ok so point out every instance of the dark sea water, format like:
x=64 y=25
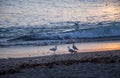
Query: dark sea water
x=44 y=22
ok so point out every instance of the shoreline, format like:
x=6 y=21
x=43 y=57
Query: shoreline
x=66 y=41
x=14 y=65
x=36 y=51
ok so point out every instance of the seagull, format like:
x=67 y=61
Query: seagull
x=53 y=49
x=71 y=50
x=74 y=47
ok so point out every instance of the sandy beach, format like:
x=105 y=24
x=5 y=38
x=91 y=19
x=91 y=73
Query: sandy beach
x=103 y=64
x=59 y=38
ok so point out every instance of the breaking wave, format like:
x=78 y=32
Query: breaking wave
x=64 y=32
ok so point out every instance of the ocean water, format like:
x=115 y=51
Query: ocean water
x=39 y=12
x=45 y=22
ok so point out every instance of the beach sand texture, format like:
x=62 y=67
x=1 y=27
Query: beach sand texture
x=79 y=65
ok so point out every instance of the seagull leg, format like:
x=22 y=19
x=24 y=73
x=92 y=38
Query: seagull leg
x=54 y=53
x=54 y=56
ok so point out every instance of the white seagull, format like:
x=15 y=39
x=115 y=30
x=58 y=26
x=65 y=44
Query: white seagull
x=74 y=47
x=71 y=50
x=53 y=49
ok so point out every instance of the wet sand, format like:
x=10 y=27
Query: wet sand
x=36 y=51
x=103 y=64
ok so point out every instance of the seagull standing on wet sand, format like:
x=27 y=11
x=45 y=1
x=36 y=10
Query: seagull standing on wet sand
x=71 y=50
x=53 y=49
x=74 y=47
